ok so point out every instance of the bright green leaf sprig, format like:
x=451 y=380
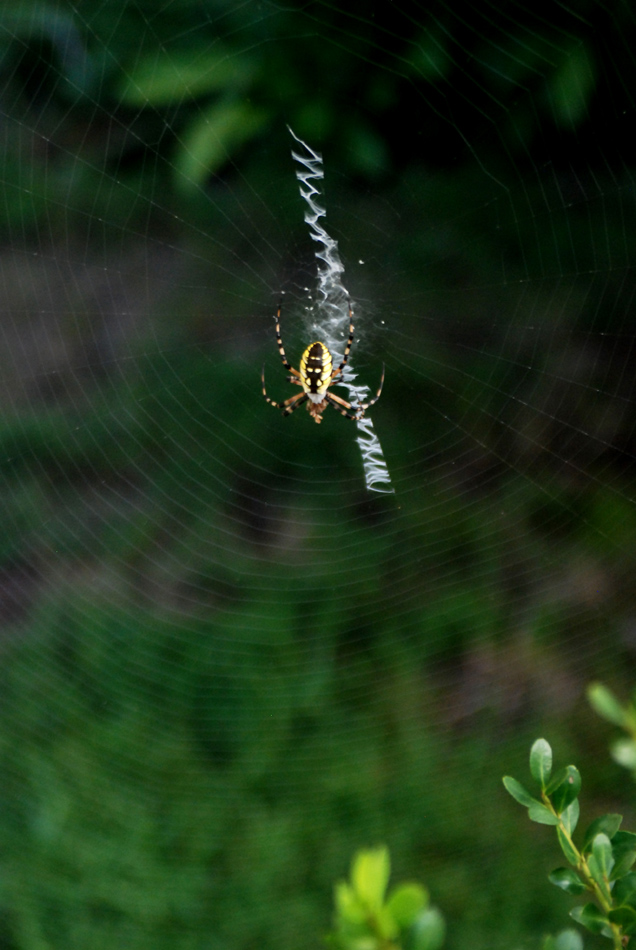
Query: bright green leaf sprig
x=367 y=919
x=606 y=705
x=602 y=865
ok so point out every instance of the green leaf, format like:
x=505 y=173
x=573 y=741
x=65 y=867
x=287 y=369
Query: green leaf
x=625 y=917
x=624 y=851
x=607 y=824
x=567 y=847
x=541 y=761
x=570 y=817
x=625 y=890
x=370 y=875
x=605 y=704
x=589 y=916
x=428 y=931
x=405 y=903
x=622 y=865
x=601 y=862
x=602 y=852
x=623 y=840
x=177 y=76
x=518 y=792
x=542 y=815
x=564 y=787
x=568 y=880
x=383 y=924
x=348 y=908
x=213 y=138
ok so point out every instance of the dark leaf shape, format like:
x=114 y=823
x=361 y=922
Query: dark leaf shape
x=625 y=917
x=625 y=890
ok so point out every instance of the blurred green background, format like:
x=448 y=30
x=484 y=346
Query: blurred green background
x=225 y=664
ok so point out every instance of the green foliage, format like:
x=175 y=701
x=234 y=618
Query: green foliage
x=205 y=91
x=167 y=778
x=367 y=918
x=601 y=866
x=606 y=705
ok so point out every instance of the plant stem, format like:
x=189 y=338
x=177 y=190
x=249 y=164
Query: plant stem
x=591 y=884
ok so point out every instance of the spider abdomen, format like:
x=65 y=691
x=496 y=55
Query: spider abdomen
x=315 y=376
x=316 y=370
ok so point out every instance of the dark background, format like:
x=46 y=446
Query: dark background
x=225 y=664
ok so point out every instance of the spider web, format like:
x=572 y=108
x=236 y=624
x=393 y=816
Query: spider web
x=330 y=306
x=227 y=664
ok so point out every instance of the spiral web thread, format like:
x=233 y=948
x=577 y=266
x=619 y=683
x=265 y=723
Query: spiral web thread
x=332 y=310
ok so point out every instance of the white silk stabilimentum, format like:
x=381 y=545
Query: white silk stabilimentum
x=332 y=311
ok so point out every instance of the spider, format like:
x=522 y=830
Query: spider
x=316 y=376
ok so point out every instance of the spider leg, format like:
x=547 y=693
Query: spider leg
x=347 y=350
x=281 y=348
x=270 y=401
x=293 y=403
x=336 y=402
x=289 y=405
x=362 y=409
x=341 y=402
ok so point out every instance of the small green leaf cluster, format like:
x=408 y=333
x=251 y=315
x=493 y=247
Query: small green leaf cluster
x=601 y=866
x=367 y=919
x=604 y=702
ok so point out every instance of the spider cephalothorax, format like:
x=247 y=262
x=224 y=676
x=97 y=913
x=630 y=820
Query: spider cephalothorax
x=316 y=375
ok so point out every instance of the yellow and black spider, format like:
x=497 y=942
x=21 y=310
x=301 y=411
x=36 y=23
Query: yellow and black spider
x=316 y=376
